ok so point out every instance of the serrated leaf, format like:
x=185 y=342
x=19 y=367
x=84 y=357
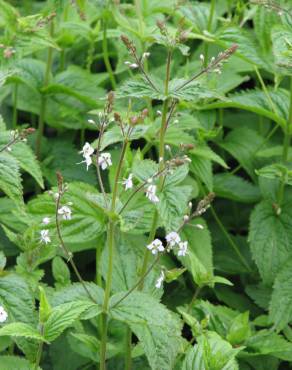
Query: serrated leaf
x=16 y=363
x=157 y=328
x=281 y=300
x=266 y=342
x=199 y=258
x=211 y=352
x=242 y=143
x=17 y=298
x=87 y=223
x=64 y=316
x=10 y=180
x=270 y=238
x=60 y=270
x=172 y=205
x=282 y=49
x=235 y=188
x=257 y=102
x=19 y=329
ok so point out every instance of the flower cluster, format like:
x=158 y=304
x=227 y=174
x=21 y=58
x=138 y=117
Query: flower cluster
x=104 y=159
x=173 y=239
x=3 y=315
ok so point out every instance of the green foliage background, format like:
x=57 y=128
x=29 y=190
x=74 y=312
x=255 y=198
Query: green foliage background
x=227 y=304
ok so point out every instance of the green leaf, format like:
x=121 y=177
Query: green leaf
x=193 y=91
x=24 y=157
x=282 y=48
x=211 y=352
x=281 y=300
x=265 y=342
x=199 y=259
x=44 y=309
x=202 y=168
x=10 y=180
x=60 y=270
x=257 y=102
x=17 y=297
x=64 y=316
x=239 y=330
x=19 y=329
x=76 y=292
x=277 y=171
x=129 y=253
x=270 y=238
x=242 y=143
x=173 y=204
x=235 y=188
x=3 y=261
x=157 y=328
x=87 y=223
x=144 y=169
x=16 y=363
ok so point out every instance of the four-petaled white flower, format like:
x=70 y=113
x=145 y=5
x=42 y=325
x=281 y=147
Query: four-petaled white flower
x=45 y=238
x=3 y=314
x=172 y=238
x=87 y=152
x=160 y=280
x=65 y=212
x=182 y=249
x=128 y=183
x=151 y=193
x=104 y=160
x=156 y=246
x=46 y=220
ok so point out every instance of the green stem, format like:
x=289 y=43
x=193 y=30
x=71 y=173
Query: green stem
x=195 y=296
x=209 y=27
x=106 y=55
x=163 y=127
x=40 y=350
x=111 y=236
x=128 y=350
x=15 y=95
x=265 y=90
x=286 y=145
x=41 y=123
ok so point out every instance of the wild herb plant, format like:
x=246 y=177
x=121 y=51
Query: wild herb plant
x=145 y=170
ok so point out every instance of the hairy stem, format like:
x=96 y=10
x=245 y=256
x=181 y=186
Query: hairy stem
x=111 y=237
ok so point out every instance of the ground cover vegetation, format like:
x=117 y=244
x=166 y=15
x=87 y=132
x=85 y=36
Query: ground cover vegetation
x=145 y=178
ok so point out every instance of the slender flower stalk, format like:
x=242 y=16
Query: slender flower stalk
x=111 y=246
x=67 y=253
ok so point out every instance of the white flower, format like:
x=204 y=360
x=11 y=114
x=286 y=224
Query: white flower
x=156 y=246
x=151 y=194
x=87 y=150
x=46 y=220
x=3 y=315
x=160 y=280
x=66 y=212
x=199 y=226
x=172 y=238
x=128 y=183
x=182 y=249
x=104 y=160
x=45 y=238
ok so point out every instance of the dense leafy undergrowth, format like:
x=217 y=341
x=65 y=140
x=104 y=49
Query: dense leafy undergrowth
x=145 y=173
